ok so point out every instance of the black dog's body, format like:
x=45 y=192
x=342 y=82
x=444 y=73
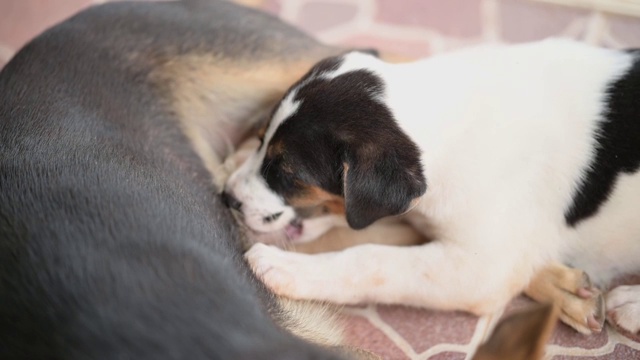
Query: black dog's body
x=113 y=242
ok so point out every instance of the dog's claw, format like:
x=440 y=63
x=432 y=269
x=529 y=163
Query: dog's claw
x=600 y=316
x=594 y=324
x=595 y=321
x=585 y=293
x=586 y=289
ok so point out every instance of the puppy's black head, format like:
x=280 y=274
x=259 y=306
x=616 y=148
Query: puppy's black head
x=337 y=148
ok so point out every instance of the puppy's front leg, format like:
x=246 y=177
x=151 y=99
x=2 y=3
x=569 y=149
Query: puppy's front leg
x=434 y=275
x=359 y=274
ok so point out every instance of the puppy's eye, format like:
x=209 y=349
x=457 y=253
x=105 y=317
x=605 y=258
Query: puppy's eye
x=272 y=218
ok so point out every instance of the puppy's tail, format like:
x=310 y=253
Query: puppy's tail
x=319 y=323
x=316 y=322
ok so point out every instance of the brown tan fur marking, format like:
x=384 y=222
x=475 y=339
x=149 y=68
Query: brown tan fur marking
x=219 y=101
x=318 y=199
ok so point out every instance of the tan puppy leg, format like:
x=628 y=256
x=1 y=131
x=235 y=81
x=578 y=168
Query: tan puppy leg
x=388 y=232
x=581 y=305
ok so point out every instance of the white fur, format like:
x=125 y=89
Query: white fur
x=251 y=190
x=623 y=305
x=506 y=133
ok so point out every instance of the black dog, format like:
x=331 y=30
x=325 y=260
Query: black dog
x=113 y=241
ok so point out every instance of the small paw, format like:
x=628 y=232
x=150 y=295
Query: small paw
x=582 y=305
x=623 y=310
x=295 y=275
x=275 y=267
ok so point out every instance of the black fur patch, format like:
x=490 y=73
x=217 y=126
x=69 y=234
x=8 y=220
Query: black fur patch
x=323 y=66
x=618 y=148
x=341 y=125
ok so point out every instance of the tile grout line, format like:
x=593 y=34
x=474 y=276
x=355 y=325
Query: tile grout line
x=371 y=314
x=6 y=53
x=608 y=348
x=607 y=38
x=442 y=348
x=290 y=10
x=484 y=326
x=596 y=27
x=621 y=339
x=363 y=20
x=490 y=21
x=575 y=29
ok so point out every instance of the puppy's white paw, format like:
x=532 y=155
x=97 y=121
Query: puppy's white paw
x=623 y=310
x=324 y=277
x=283 y=272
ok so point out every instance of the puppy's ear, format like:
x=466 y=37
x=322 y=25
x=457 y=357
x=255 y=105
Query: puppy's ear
x=379 y=183
x=521 y=336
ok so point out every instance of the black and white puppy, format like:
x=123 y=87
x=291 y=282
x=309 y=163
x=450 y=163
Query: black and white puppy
x=511 y=157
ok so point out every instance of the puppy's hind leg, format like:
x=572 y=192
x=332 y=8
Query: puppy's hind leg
x=320 y=324
x=386 y=231
x=581 y=305
x=623 y=310
x=312 y=321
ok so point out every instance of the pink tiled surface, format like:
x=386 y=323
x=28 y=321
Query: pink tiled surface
x=397 y=332
x=405 y=27
x=410 y=28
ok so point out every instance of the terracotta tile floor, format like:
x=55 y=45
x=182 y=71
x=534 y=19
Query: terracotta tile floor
x=410 y=28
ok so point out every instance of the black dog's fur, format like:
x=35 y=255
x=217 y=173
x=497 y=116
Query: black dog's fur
x=113 y=242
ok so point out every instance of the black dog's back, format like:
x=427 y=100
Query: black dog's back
x=113 y=243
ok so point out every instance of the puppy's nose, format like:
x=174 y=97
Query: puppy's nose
x=230 y=201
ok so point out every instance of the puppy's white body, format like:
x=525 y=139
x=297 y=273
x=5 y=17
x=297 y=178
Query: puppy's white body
x=504 y=149
x=507 y=136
